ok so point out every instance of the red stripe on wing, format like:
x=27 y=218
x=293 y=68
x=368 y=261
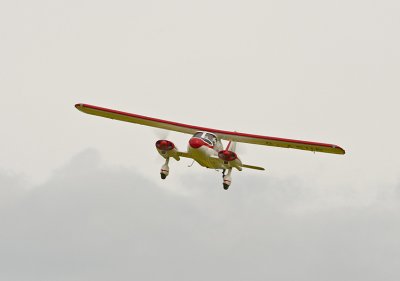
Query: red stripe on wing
x=216 y=131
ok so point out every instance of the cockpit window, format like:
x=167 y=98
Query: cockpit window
x=198 y=135
x=207 y=137
x=211 y=138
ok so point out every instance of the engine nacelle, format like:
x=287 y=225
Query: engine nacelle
x=227 y=155
x=165 y=145
x=230 y=159
x=167 y=149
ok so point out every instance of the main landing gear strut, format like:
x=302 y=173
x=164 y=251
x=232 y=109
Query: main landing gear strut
x=227 y=178
x=165 y=169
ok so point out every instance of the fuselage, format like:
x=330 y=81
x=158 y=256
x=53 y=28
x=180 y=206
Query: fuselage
x=204 y=148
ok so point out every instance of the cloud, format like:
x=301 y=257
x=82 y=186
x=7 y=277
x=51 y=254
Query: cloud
x=90 y=221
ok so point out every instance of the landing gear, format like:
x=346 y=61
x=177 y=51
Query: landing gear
x=227 y=179
x=165 y=169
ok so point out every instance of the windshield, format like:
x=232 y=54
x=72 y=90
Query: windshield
x=207 y=137
x=211 y=137
x=198 y=135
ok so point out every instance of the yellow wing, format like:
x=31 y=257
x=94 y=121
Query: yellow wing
x=226 y=135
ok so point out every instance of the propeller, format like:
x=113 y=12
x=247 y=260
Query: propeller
x=241 y=149
x=161 y=134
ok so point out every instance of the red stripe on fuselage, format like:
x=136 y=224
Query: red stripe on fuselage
x=198 y=142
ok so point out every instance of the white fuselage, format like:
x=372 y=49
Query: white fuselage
x=203 y=147
x=203 y=155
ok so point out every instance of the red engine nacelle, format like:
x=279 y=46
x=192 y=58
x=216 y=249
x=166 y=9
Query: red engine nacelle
x=167 y=149
x=165 y=145
x=227 y=155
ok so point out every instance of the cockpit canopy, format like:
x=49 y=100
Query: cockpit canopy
x=209 y=138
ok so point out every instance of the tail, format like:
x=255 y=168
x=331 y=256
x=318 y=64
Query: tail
x=253 y=167
x=232 y=147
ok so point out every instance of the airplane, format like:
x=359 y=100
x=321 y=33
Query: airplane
x=205 y=146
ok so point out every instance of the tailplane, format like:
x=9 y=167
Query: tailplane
x=253 y=167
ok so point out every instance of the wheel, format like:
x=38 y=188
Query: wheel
x=163 y=176
x=226 y=186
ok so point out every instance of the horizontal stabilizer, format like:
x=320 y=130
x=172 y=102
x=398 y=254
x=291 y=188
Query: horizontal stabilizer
x=253 y=167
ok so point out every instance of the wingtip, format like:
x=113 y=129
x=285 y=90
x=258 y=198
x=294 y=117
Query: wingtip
x=342 y=151
x=79 y=106
x=338 y=149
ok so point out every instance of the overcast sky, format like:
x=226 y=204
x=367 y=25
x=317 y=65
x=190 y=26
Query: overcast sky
x=81 y=198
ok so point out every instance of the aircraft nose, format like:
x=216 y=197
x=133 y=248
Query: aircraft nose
x=195 y=142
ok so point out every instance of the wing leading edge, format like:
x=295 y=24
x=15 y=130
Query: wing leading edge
x=226 y=135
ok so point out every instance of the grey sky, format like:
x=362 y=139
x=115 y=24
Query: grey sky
x=94 y=221
x=314 y=70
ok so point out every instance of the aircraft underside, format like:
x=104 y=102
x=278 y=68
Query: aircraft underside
x=207 y=151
